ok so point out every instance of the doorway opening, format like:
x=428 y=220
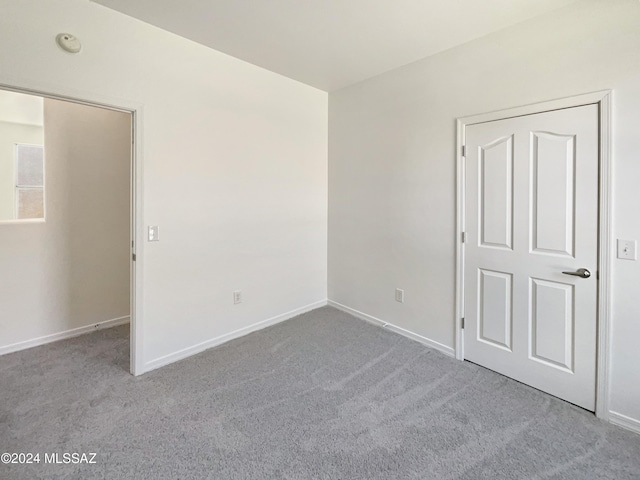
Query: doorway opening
x=67 y=220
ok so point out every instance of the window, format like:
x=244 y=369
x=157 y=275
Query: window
x=29 y=199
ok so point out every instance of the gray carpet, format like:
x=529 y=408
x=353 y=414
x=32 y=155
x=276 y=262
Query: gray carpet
x=322 y=396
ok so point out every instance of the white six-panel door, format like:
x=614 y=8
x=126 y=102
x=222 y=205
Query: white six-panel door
x=531 y=213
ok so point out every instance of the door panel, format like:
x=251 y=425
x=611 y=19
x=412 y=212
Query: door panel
x=552 y=175
x=531 y=213
x=496 y=193
x=552 y=323
x=495 y=308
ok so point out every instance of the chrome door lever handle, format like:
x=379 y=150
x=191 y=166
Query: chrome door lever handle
x=581 y=272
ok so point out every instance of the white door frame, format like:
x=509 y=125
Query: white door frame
x=603 y=100
x=136 y=365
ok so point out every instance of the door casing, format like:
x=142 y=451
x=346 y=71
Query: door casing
x=136 y=341
x=603 y=100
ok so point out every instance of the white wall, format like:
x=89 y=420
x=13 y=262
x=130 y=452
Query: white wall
x=72 y=270
x=10 y=134
x=392 y=166
x=21 y=108
x=234 y=158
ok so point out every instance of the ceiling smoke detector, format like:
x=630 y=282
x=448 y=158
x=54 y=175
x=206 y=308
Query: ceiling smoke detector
x=68 y=43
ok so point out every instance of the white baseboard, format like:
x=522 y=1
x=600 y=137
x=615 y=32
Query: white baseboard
x=625 y=422
x=214 y=342
x=54 y=337
x=394 y=328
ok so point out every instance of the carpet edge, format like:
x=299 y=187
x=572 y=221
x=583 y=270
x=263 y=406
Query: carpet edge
x=216 y=341
x=65 y=334
x=449 y=351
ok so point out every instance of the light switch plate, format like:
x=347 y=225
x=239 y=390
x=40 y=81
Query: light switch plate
x=627 y=249
x=154 y=233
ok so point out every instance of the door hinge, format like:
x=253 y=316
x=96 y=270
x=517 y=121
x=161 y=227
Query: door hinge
x=464 y=150
x=462 y=323
x=133 y=255
x=463 y=236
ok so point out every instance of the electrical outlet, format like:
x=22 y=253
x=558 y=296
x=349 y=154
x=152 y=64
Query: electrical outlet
x=237 y=297
x=399 y=295
x=627 y=249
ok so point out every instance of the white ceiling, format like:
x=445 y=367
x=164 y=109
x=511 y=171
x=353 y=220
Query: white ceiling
x=330 y=44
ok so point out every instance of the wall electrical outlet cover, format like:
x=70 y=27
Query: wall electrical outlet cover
x=399 y=295
x=237 y=297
